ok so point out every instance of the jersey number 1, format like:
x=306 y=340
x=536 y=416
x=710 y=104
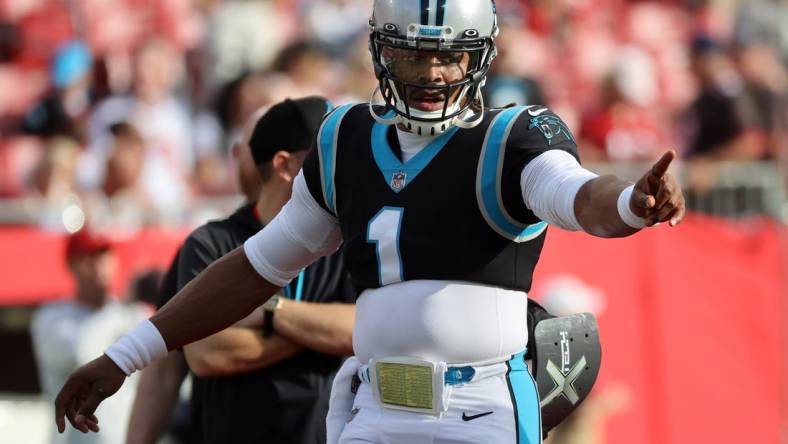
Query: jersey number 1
x=383 y=230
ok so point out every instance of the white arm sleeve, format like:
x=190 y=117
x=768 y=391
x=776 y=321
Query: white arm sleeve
x=550 y=183
x=301 y=233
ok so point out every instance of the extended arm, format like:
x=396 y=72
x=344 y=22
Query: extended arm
x=300 y=234
x=558 y=190
x=325 y=327
x=157 y=393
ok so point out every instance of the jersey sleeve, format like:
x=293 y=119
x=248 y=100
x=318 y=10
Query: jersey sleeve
x=301 y=233
x=312 y=175
x=320 y=164
x=536 y=131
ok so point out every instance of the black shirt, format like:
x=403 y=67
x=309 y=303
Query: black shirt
x=283 y=403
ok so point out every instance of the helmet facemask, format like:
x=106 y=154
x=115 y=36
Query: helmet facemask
x=399 y=66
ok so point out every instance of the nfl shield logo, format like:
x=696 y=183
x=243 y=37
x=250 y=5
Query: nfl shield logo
x=398 y=180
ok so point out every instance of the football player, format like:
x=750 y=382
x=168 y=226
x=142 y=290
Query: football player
x=442 y=206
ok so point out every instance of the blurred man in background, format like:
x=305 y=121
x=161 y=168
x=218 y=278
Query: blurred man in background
x=66 y=334
x=159 y=386
x=161 y=118
x=268 y=377
x=62 y=112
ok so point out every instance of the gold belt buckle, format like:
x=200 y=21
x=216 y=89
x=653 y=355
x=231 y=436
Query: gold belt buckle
x=404 y=383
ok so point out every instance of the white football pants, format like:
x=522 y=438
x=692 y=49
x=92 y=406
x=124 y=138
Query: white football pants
x=502 y=408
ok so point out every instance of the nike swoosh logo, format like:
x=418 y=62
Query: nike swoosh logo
x=537 y=112
x=472 y=417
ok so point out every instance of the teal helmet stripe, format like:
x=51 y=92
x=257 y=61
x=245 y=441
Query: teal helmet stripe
x=441 y=11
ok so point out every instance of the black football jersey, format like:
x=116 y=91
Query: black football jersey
x=452 y=212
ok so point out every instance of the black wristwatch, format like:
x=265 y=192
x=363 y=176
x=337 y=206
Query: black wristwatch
x=269 y=308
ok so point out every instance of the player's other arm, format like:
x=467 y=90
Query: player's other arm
x=542 y=158
x=228 y=290
x=157 y=393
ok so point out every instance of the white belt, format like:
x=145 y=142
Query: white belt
x=416 y=385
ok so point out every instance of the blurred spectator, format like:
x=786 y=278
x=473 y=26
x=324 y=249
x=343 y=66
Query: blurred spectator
x=308 y=69
x=163 y=122
x=358 y=74
x=765 y=87
x=237 y=100
x=64 y=109
x=627 y=77
x=762 y=22
x=210 y=169
x=334 y=23
x=511 y=80
x=247 y=35
x=714 y=125
x=623 y=127
x=53 y=181
x=68 y=334
x=121 y=202
x=124 y=165
x=53 y=177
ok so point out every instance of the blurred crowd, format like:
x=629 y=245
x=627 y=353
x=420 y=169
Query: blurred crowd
x=123 y=111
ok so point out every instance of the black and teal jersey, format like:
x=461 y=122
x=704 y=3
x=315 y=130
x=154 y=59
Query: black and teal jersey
x=452 y=212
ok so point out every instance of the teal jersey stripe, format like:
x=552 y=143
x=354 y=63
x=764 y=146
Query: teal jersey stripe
x=488 y=181
x=397 y=174
x=525 y=400
x=300 y=286
x=327 y=141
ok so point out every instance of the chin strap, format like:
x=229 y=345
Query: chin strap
x=469 y=119
x=472 y=121
x=378 y=118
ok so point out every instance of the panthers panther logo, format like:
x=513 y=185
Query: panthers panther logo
x=552 y=128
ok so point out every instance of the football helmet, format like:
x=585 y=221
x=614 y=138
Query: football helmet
x=402 y=32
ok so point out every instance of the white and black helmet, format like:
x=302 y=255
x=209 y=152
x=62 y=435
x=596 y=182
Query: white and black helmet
x=433 y=25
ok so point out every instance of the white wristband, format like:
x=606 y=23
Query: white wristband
x=625 y=211
x=137 y=348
